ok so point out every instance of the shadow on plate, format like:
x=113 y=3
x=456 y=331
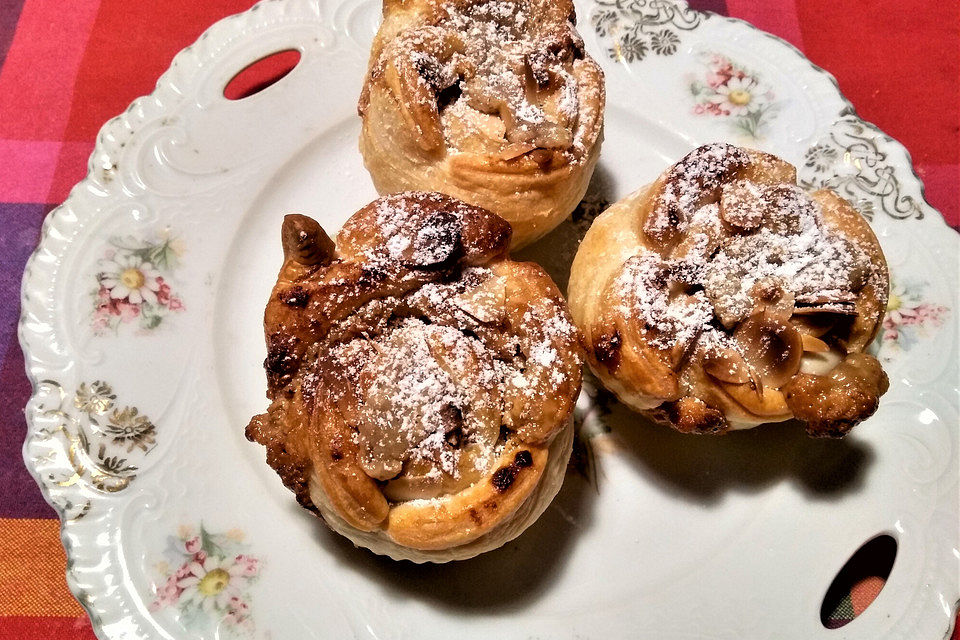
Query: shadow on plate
x=505 y=579
x=702 y=468
x=555 y=251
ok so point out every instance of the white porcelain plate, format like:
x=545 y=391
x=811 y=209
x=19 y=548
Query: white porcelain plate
x=142 y=329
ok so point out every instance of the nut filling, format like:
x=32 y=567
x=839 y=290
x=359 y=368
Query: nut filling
x=755 y=294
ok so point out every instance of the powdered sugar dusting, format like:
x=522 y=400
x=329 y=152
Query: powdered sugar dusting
x=418 y=386
x=796 y=252
x=754 y=239
x=501 y=76
x=419 y=228
x=699 y=172
x=430 y=372
x=672 y=319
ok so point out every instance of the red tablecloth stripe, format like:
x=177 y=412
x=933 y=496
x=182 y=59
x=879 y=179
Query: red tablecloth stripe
x=46 y=628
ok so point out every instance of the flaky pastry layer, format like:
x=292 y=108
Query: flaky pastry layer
x=492 y=101
x=422 y=384
x=724 y=296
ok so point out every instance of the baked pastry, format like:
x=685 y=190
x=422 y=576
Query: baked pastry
x=492 y=101
x=723 y=296
x=422 y=383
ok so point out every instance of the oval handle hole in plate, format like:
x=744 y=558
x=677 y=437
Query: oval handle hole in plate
x=260 y=74
x=859 y=582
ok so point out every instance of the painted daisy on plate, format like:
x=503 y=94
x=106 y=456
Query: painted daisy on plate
x=212 y=584
x=737 y=95
x=132 y=283
x=128 y=276
x=728 y=90
x=211 y=581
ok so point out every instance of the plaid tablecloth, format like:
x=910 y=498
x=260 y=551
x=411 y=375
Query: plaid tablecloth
x=67 y=67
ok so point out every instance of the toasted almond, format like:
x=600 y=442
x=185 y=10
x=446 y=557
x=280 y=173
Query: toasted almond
x=741 y=205
x=772 y=299
x=771 y=347
x=516 y=150
x=727 y=365
x=812 y=344
x=813 y=324
x=838 y=308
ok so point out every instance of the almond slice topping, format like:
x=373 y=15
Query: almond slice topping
x=771 y=347
x=726 y=365
x=813 y=345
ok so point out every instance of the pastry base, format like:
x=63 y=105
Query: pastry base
x=380 y=543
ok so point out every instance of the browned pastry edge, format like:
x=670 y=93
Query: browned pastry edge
x=320 y=285
x=652 y=380
x=533 y=186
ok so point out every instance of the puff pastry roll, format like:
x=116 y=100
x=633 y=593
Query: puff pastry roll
x=723 y=296
x=492 y=101
x=422 y=383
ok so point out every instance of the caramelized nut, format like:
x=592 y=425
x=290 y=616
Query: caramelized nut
x=727 y=365
x=741 y=205
x=813 y=345
x=773 y=348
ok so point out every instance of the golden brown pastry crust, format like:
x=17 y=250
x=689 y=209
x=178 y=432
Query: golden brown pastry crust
x=422 y=383
x=492 y=101
x=723 y=296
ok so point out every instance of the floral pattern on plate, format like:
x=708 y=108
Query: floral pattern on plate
x=636 y=28
x=853 y=161
x=730 y=91
x=132 y=283
x=207 y=577
x=909 y=319
x=126 y=428
x=104 y=442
